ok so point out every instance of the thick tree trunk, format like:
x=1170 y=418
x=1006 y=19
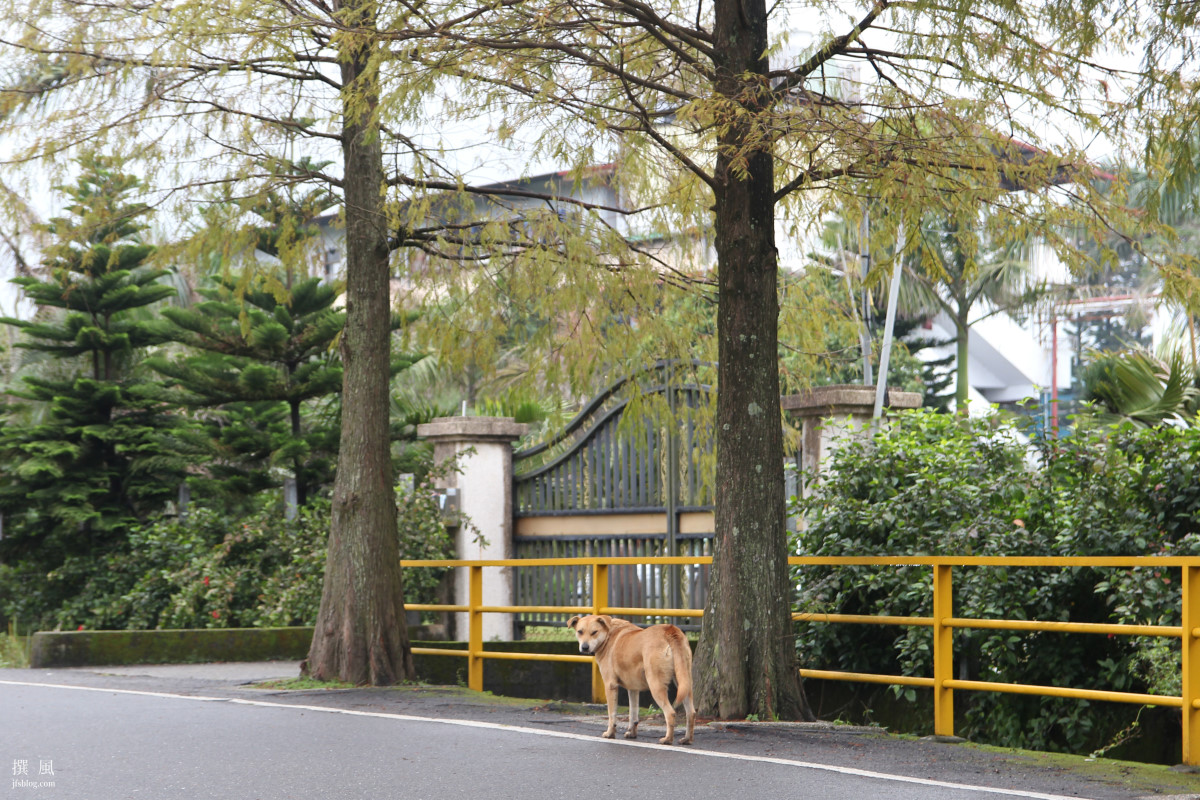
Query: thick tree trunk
x=361 y=636
x=746 y=659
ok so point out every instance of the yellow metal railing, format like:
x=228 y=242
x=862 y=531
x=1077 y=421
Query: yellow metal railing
x=943 y=622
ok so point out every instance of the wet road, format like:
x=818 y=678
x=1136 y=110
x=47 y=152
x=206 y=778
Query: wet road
x=73 y=735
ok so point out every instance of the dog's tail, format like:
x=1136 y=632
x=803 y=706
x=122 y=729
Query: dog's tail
x=681 y=652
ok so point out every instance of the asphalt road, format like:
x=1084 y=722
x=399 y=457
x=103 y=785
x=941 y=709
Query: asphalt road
x=188 y=733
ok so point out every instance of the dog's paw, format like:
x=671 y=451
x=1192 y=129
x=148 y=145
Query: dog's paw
x=631 y=733
x=667 y=740
x=688 y=740
x=609 y=734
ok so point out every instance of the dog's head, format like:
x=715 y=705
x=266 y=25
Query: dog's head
x=591 y=631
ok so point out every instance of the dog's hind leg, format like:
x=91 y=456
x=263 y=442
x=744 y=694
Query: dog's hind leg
x=689 y=708
x=663 y=699
x=681 y=655
x=634 y=695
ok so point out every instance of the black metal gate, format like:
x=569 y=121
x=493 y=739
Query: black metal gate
x=630 y=475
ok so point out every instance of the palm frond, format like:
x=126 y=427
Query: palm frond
x=1137 y=386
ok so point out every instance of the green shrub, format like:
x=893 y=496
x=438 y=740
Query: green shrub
x=209 y=570
x=265 y=571
x=423 y=536
x=944 y=485
x=205 y=570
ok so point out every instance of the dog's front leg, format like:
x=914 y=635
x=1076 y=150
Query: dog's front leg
x=633 y=713
x=610 y=694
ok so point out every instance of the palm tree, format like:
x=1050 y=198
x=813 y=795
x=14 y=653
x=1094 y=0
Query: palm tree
x=955 y=269
x=1170 y=197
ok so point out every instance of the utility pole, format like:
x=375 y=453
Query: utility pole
x=864 y=256
x=885 y=354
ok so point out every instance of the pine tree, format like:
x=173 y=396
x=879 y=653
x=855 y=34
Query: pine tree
x=88 y=455
x=261 y=358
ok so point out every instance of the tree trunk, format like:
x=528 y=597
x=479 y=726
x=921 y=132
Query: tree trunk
x=746 y=659
x=962 y=377
x=297 y=462
x=361 y=635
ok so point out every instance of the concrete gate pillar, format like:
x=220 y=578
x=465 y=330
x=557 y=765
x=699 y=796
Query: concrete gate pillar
x=827 y=412
x=483 y=488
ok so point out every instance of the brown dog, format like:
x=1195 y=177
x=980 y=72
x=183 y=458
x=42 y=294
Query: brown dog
x=637 y=659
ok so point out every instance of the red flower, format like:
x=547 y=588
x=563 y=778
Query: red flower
x=79 y=628
x=206 y=580
x=216 y=614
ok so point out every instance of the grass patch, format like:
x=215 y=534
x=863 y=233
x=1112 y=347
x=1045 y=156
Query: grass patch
x=435 y=690
x=1148 y=779
x=301 y=684
x=487 y=698
x=14 y=651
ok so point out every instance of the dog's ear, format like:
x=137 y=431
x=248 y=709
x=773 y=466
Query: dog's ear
x=573 y=621
x=603 y=621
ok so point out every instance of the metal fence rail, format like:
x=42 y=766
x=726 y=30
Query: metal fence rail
x=643 y=584
x=943 y=622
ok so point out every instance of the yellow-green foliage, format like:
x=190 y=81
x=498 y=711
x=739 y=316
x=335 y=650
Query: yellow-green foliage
x=574 y=294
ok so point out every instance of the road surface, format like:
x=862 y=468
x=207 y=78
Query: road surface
x=80 y=735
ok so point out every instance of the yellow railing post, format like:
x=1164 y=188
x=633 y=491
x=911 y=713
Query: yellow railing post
x=1191 y=664
x=475 y=631
x=599 y=602
x=943 y=650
